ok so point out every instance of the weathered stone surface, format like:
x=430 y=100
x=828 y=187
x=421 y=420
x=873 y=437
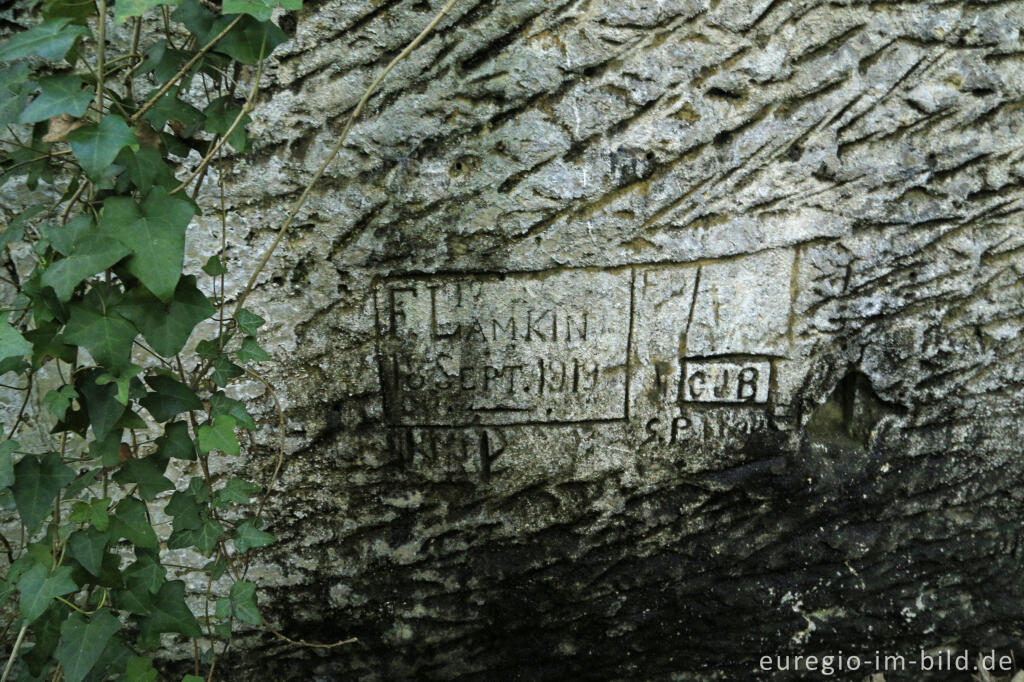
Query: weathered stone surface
x=763 y=261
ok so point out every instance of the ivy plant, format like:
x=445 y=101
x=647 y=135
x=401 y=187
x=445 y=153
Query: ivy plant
x=130 y=359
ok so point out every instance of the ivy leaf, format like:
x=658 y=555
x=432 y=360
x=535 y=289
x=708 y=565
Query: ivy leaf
x=185 y=509
x=251 y=351
x=92 y=253
x=38 y=588
x=37 y=480
x=243 y=602
x=76 y=10
x=134 y=8
x=96 y=325
x=220 y=115
x=50 y=40
x=224 y=371
x=47 y=343
x=82 y=641
x=171 y=398
x=176 y=442
x=259 y=9
x=87 y=547
x=101 y=403
x=155 y=233
x=148 y=473
x=147 y=572
x=130 y=522
x=236 y=490
x=14 y=91
x=169 y=108
x=122 y=380
x=97 y=145
x=221 y=404
x=15 y=230
x=94 y=511
x=248 y=536
x=58 y=95
x=12 y=343
x=64 y=237
x=7 y=447
x=58 y=401
x=249 y=322
x=139 y=669
x=169 y=613
x=144 y=168
x=219 y=435
x=214 y=267
x=166 y=327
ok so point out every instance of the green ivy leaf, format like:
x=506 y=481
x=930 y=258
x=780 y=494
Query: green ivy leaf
x=12 y=343
x=58 y=95
x=148 y=473
x=82 y=641
x=37 y=480
x=76 y=10
x=224 y=371
x=101 y=403
x=96 y=325
x=14 y=92
x=155 y=233
x=176 y=442
x=130 y=522
x=94 y=511
x=170 y=108
x=37 y=588
x=47 y=635
x=247 y=536
x=214 y=267
x=221 y=404
x=249 y=322
x=7 y=448
x=139 y=669
x=169 y=613
x=235 y=490
x=167 y=327
x=219 y=435
x=134 y=8
x=243 y=603
x=92 y=253
x=48 y=343
x=87 y=548
x=259 y=9
x=144 y=168
x=58 y=401
x=147 y=572
x=185 y=509
x=122 y=380
x=15 y=230
x=220 y=115
x=64 y=237
x=50 y=40
x=251 y=351
x=97 y=145
x=171 y=398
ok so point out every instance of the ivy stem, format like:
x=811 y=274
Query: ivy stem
x=101 y=52
x=300 y=202
x=250 y=103
x=14 y=652
x=134 y=118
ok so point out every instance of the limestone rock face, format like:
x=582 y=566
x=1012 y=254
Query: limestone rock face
x=638 y=339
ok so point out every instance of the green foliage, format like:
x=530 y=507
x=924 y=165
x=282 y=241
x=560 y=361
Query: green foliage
x=107 y=307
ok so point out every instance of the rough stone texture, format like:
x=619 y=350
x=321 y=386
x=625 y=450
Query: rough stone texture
x=826 y=194
x=812 y=207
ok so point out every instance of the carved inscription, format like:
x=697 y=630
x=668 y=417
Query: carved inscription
x=505 y=349
x=725 y=381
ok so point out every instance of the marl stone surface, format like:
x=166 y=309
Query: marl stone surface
x=636 y=339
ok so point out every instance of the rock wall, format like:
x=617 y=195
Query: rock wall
x=637 y=339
